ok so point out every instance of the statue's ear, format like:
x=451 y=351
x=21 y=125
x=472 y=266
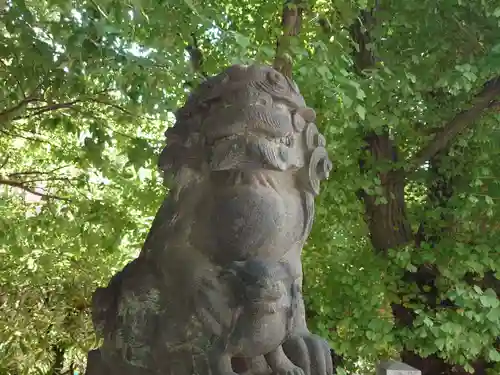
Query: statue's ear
x=169 y=155
x=307 y=114
x=179 y=152
x=301 y=117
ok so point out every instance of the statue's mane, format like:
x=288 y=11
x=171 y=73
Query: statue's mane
x=183 y=160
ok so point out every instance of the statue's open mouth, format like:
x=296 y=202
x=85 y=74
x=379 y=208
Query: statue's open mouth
x=254 y=151
x=286 y=140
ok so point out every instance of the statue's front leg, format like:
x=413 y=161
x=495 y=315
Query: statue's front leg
x=308 y=351
x=220 y=361
x=219 y=356
x=280 y=364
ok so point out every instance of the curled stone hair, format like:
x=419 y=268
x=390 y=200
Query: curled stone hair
x=246 y=117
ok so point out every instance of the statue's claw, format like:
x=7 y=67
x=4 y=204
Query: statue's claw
x=293 y=370
x=311 y=353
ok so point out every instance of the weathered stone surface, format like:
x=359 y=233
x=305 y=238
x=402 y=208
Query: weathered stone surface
x=217 y=286
x=396 y=368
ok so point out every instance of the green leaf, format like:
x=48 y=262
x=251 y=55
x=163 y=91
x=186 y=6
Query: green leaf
x=494 y=355
x=489 y=200
x=440 y=343
x=324 y=71
x=361 y=111
x=242 y=40
x=493 y=315
x=124 y=68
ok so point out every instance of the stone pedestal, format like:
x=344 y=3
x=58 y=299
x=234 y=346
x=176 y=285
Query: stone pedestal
x=396 y=368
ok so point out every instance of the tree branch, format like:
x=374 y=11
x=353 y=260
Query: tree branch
x=364 y=56
x=33 y=139
x=48 y=108
x=5 y=161
x=66 y=179
x=113 y=105
x=38 y=172
x=495 y=106
x=196 y=56
x=291 y=23
x=483 y=101
x=21 y=186
x=11 y=113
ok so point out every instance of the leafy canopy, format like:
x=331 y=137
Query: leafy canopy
x=88 y=88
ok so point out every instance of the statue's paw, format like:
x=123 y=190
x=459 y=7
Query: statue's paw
x=310 y=352
x=292 y=370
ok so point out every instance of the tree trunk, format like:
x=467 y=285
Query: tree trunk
x=58 y=364
x=386 y=216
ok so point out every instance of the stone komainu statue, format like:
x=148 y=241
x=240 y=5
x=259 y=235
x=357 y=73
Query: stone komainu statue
x=217 y=287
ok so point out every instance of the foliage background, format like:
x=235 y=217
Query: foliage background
x=88 y=88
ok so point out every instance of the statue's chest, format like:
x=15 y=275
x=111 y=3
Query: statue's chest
x=254 y=337
x=255 y=221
